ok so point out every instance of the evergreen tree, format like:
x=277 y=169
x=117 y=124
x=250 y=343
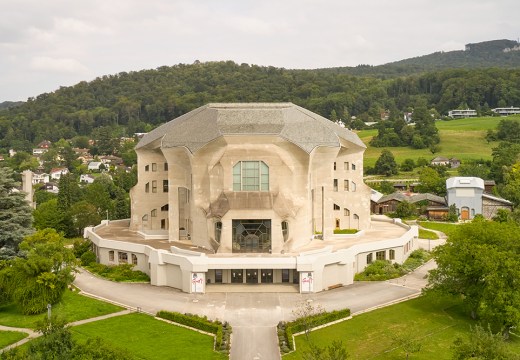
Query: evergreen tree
x=15 y=215
x=385 y=164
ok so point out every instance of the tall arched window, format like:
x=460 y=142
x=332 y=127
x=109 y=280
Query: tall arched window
x=218 y=231
x=285 y=230
x=250 y=176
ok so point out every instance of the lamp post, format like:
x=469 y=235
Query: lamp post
x=49 y=310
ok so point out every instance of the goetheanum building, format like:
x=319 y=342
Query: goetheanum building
x=251 y=194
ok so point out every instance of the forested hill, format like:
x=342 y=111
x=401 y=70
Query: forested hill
x=495 y=53
x=138 y=101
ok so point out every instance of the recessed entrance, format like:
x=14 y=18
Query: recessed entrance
x=251 y=236
x=237 y=276
x=252 y=276
x=267 y=276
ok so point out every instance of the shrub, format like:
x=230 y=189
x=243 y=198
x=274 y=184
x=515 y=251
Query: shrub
x=381 y=270
x=222 y=331
x=87 y=258
x=287 y=329
x=122 y=272
x=81 y=246
x=345 y=231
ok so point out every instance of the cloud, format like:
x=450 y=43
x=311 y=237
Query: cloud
x=64 y=65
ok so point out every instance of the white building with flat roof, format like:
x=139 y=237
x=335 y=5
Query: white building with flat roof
x=459 y=114
x=505 y=111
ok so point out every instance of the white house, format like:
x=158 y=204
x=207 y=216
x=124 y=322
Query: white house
x=86 y=178
x=94 y=165
x=56 y=173
x=505 y=111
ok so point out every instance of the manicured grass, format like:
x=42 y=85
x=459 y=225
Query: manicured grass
x=10 y=337
x=148 y=338
x=463 y=139
x=436 y=324
x=72 y=307
x=446 y=228
x=429 y=235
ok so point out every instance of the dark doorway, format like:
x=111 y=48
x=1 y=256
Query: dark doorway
x=285 y=275
x=267 y=276
x=252 y=276
x=218 y=276
x=237 y=276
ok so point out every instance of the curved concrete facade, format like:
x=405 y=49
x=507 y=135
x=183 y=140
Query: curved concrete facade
x=253 y=193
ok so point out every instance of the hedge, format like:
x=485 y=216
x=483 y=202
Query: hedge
x=222 y=331
x=287 y=329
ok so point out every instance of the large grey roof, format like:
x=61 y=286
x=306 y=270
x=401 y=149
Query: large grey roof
x=293 y=123
x=464 y=182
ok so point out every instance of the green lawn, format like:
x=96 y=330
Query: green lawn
x=429 y=235
x=463 y=139
x=446 y=228
x=148 y=338
x=72 y=307
x=436 y=324
x=10 y=337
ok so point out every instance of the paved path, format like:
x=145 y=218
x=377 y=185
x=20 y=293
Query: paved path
x=253 y=315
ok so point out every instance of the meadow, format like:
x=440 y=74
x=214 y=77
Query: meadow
x=461 y=138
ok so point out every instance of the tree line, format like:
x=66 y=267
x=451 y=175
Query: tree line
x=125 y=103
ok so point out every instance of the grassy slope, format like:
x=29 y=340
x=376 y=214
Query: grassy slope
x=72 y=307
x=368 y=336
x=446 y=228
x=463 y=139
x=148 y=338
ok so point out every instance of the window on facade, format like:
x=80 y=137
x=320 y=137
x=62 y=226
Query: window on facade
x=346 y=212
x=147 y=168
x=336 y=207
x=218 y=231
x=353 y=166
x=163 y=224
x=145 y=217
x=122 y=257
x=369 y=258
x=218 y=276
x=353 y=186
x=285 y=230
x=345 y=165
x=472 y=212
x=356 y=217
x=165 y=207
x=250 y=176
x=391 y=254
x=154 y=186
x=334 y=166
x=381 y=255
x=154 y=167
x=345 y=185
x=165 y=185
x=134 y=259
x=285 y=275
x=111 y=255
x=147 y=187
x=165 y=166
x=153 y=213
x=335 y=185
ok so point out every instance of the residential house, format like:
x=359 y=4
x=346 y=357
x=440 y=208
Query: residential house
x=454 y=163
x=56 y=173
x=432 y=205
x=40 y=178
x=39 y=151
x=86 y=178
x=505 y=111
x=45 y=144
x=440 y=161
x=460 y=114
x=111 y=160
x=94 y=165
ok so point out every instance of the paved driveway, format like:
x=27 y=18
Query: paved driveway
x=253 y=315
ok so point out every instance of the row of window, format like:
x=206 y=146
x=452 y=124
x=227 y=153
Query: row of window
x=347 y=185
x=381 y=255
x=122 y=257
x=346 y=166
x=154 y=167
x=154 y=186
x=346 y=212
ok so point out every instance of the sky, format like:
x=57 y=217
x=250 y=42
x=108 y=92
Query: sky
x=52 y=43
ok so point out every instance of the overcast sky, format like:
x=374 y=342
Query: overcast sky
x=45 y=44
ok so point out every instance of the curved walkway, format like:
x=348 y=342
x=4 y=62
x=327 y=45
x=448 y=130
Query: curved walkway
x=254 y=316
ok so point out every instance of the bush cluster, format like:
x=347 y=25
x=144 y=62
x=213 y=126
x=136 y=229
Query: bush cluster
x=286 y=330
x=221 y=330
x=122 y=272
x=381 y=270
x=345 y=231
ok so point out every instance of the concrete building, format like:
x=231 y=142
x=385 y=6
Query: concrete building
x=469 y=196
x=506 y=111
x=251 y=193
x=460 y=114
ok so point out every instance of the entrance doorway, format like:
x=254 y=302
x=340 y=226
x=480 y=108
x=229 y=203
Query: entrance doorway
x=252 y=276
x=267 y=276
x=237 y=276
x=464 y=213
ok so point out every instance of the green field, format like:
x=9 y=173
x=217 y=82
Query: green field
x=435 y=324
x=73 y=307
x=463 y=139
x=428 y=235
x=148 y=338
x=446 y=228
